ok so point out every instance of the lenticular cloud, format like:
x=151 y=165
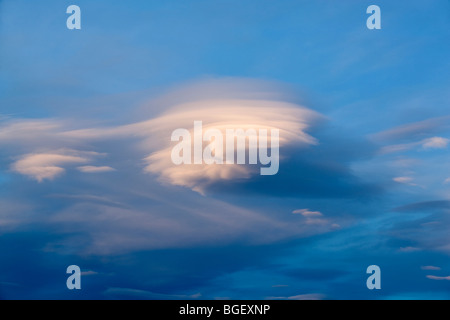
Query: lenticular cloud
x=218 y=104
x=290 y=119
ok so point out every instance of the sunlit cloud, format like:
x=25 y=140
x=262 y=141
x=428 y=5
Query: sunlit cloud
x=46 y=165
x=220 y=105
x=46 y=149
x=292 y=121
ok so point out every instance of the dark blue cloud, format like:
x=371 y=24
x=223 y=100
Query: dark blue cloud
x=320 y=171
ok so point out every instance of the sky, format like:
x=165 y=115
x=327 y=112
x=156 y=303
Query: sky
x=86 y=179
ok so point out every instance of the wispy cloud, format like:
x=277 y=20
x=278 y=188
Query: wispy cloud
x=94 y=169
x=405 y=180
x=89 y=273
x=309 y=296
x=415 y=129
x=409 y=249
x=429 y=230
x=430 y=268
x=438 y=278
x=425 y=144
x=307 y=213
x=144 y=294
x=280 y=286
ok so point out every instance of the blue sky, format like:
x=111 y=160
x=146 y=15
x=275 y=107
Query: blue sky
x=82 y=110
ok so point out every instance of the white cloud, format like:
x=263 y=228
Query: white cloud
x=435 y=143
x=43 y=166
x=292 y=121
x=405 y=180
x=312 y=218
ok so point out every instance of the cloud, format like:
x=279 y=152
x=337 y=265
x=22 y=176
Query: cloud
x=425 y=206
x=292 y=121
x=418 y=136
x=425 y=144
x=94 y=169
x=414 y=130
x=405 y=180
x=95 y=215
x=89 y=273
x=307 y=213
x=428 y=230
x=29 y=132
x=86 y=198
x=106 y=229
x=435 y=143
x=127 y=293
x=316 y=171
x=309 y=296
x=222 y=105
x=46 y=165
x=409 y=249
x=438 y=278
x=280 y=286
x=313 y=161
x=14 y=214
x=312 y=218
x=430 y=268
